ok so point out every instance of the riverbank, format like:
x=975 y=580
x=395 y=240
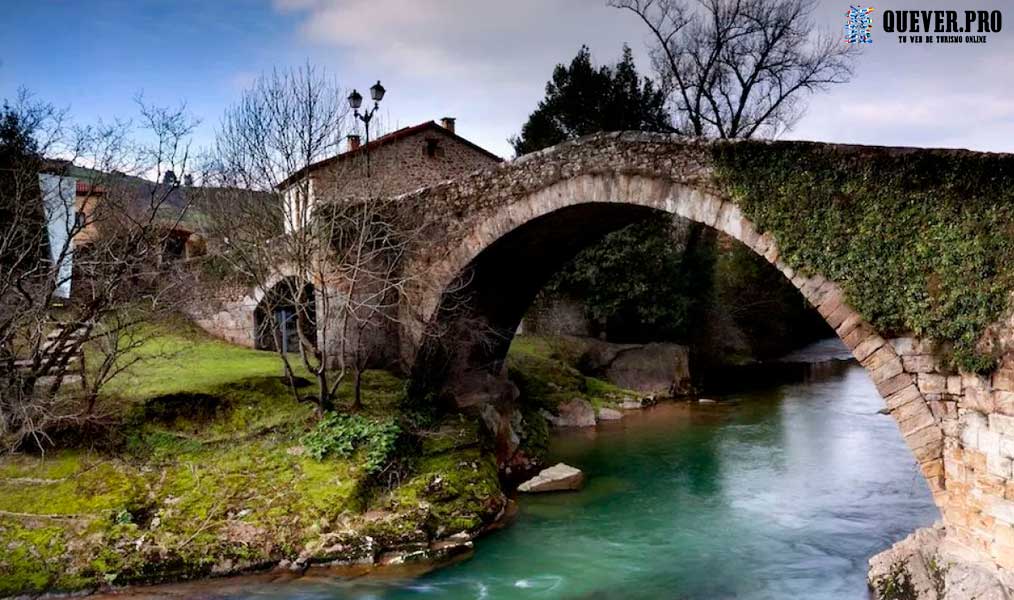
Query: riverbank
x=210 y=467
x=213 y=469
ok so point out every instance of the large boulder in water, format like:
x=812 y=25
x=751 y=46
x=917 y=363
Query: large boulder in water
x=656 y=368
x=559 y=477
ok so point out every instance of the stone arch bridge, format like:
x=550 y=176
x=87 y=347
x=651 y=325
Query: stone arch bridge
x=492 y=239
x=495 y=237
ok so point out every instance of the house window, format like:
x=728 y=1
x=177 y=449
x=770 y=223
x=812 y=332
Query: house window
x=175 y=246
x=433 y=149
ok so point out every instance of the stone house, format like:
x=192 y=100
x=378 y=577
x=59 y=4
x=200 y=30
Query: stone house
x=398 y=162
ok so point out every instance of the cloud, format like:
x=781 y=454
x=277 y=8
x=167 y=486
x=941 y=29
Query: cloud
x=487 y=62
x=462 y=38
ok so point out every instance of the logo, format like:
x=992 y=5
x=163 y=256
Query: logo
x=859 y=25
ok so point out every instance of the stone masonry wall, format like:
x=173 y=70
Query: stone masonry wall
x=403 y=165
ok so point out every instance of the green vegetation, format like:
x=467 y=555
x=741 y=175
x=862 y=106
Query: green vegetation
x=341 y=435
x=187 y=360
x=213 y=467
x=581 y=99
x=544 y=369
x=921 y=242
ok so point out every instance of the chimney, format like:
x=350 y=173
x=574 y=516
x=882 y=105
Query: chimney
x=353 y=142
x=448 y=123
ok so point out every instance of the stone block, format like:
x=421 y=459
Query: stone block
x=988 y=442
x=978 y=399
x=931 y=384
x=878 y=358
x=1003 y=555
x=1003 y=379
x=771 y=255
x=999 y=466
x=763 y=243
x=839 y=315
x=910 y=410
x=970 y=429
x=975 y=460
x=902 y=397
x=917 y=420
x=919 y=363
x=1002 y=510
x=1003 y=402
x=903 y=345
x=954 y=385
x=974 y=381
x=748 y=233
x=848 y=326
x=887 y=370
x=926 y=443
x=954 y=471
x=729 y=220
x=1002 y=425
x=1003 y=534
x=942 y=409
x=830 y=303
x=932 y=468
x=869 y=344
x=894 y=384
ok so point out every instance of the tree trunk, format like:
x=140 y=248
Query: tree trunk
x=357 y=385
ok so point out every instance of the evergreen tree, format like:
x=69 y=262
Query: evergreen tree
x=637 y=283
x=581 y=99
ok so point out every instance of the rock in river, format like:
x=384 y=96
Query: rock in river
x=609 y=414
x=557 y=478
x=573 y=413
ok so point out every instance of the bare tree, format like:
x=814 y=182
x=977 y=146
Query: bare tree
x=739 y=68
x=82 y=253
x=325 y=246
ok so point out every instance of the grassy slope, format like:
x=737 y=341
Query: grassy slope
x=208 y=475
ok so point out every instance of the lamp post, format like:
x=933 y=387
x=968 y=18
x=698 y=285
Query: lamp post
x=355 y=101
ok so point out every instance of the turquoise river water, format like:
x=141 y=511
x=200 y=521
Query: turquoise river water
x=778 y=493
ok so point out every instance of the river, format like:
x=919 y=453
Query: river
x=783 y=492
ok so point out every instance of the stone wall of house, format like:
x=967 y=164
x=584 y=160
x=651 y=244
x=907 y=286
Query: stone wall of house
x=227 y=314
x=427 y=157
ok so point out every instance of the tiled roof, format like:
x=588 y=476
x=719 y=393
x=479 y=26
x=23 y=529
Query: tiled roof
x=385 y=140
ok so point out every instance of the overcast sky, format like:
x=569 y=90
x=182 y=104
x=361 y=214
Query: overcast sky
x=484 y=62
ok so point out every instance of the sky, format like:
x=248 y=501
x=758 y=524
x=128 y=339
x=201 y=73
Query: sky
x=484 y=62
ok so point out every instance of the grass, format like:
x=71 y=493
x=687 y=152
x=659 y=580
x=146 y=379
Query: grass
x=186 y=360
x=207 y=473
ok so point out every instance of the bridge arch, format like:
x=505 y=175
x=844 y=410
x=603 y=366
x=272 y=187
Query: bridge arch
x=487 y=280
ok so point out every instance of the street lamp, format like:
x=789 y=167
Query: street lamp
x=355 y=101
